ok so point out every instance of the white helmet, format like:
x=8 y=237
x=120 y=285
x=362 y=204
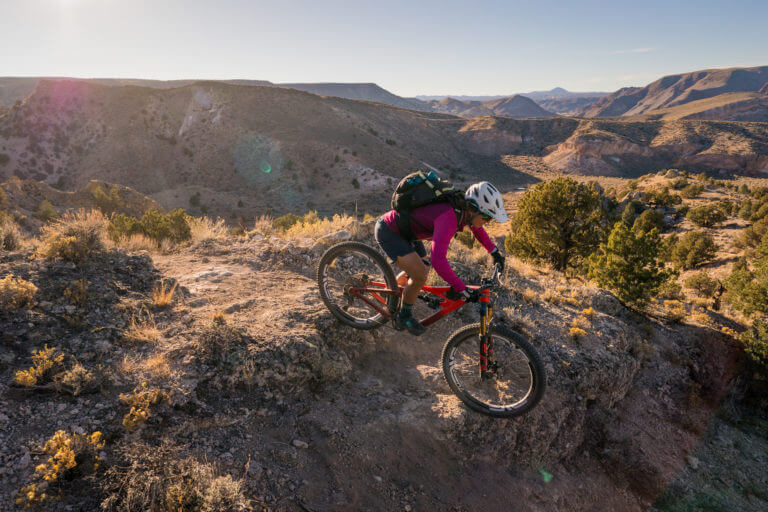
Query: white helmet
x=488 y=200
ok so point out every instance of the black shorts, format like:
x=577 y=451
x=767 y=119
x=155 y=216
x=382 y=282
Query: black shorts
x=395 y=245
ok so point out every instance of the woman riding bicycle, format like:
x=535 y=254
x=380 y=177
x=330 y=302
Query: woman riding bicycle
x=437 y=222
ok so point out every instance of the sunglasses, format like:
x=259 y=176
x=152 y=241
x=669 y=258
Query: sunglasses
x=486 y=217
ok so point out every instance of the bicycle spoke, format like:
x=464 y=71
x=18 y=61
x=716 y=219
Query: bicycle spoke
x=509 y=384
x=345 y=274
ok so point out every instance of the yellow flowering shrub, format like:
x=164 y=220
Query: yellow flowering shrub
x=43 y=361
x=66 y=451
x=141 y=400
x=15 y=292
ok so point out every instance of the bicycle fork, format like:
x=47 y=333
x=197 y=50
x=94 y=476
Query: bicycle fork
x=487 y=365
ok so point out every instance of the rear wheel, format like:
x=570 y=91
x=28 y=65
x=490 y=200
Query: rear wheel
x=350 y=265
x=514 y=383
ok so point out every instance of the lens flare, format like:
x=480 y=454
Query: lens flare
x=265 y=167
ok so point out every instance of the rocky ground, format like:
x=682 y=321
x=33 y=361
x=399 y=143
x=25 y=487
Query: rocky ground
x=273 y=404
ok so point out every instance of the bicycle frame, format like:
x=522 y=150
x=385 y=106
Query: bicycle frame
x=447 y=306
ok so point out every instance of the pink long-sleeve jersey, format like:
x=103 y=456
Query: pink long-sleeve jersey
x=437 y=222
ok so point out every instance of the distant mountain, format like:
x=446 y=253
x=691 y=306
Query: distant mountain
x=560 y=93
x=556 y=93
x=353 y=91
x=675 y=90
x=512 y=106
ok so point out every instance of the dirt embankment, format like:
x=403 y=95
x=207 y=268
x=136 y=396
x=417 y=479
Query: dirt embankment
x=310 y=415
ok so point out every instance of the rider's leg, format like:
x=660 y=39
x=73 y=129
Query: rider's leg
x=418 y=271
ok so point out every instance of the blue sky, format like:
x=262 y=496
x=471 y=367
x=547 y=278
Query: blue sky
x=408 y=47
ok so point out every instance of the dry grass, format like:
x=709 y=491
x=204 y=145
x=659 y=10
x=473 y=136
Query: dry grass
x=142 y=331
x=530 y=296
x=219 y=317
x=16 y=292
x=309 y=225
x=203 y=228
x=162 y=479
x=158 y=366
x=137 y=242
x=75 y=237
x=675 y=310
x=10 y=235
x=552 y=296
x=163 y=294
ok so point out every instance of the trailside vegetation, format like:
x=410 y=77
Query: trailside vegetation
x=628 y=264
x=558 y=222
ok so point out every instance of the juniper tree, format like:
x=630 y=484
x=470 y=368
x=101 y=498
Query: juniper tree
x=559 y=222
x=628 y=264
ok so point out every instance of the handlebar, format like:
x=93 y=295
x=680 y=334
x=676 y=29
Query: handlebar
x=488 y=282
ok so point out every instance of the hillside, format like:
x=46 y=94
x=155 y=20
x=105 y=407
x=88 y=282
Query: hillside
x=675 y=90
x=242 y=151
x=268 y=147
x=14 y=89
x=262 y=399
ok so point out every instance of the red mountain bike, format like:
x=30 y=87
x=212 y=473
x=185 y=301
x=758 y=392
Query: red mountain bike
x=492 y=369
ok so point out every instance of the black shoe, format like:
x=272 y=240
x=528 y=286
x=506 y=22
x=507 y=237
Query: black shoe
x=409 y=322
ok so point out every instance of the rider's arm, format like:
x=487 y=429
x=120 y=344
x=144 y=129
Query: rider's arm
x=483 y=238
x=443 y=230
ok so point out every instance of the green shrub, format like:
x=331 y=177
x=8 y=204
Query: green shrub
x=391 y=142
x=702 y=284
x=286 y=221
x=706 y=216
x=559 y=222
x=759 y=192
x=693 y=249
x=631 y=210
x=648 y=220
x=727 y=207
x=759 y=211
x=663 y=198
x=745 y=212
x=46 y=212
x=628 y=265
x=752 y=235
x=692 y=190
x=107 y=203
x=155 y=225
x=678 y=183
x=748 y=288
x=194 y=199
x=755 y=343
x=355 y=183
x=744 y=189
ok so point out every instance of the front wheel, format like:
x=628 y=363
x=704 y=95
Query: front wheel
x=514 y=382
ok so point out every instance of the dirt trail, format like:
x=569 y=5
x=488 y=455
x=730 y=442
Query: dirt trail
x=387 y=437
